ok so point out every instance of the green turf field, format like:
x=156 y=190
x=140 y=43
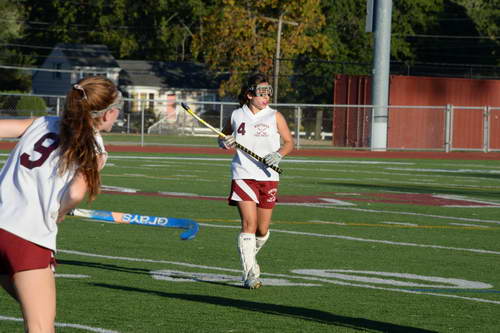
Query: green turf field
x=357 y=245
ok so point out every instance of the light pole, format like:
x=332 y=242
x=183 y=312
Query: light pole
x=278 y=51
x=277 y=59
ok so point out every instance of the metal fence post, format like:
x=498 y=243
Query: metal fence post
x=221 y=116
x=142 y=126
x=448 y=130
x=298 y=117
x=128 y=123
x=486 y=129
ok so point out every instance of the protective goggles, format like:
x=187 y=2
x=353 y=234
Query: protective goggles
x=262 y=91
x=117 y=104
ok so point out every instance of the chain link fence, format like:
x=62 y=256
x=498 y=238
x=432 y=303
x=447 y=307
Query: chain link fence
x=322 y=126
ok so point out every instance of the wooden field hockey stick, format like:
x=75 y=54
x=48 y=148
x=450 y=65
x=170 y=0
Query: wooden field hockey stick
x=239 y=146
x=190 y=226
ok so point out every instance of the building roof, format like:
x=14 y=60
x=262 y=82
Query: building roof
x=180 y=75
x=88 y=55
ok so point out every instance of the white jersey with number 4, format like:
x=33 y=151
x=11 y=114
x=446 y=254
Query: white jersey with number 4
x=30 y=186
x=259 y=133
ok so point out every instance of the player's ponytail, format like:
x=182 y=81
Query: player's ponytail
x=79 y=147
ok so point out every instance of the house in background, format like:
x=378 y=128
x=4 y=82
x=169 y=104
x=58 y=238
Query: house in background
x=158 y=86
x=82 y=59
x=147 y=85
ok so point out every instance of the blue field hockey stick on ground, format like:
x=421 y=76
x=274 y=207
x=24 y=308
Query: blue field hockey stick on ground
x=190 y=226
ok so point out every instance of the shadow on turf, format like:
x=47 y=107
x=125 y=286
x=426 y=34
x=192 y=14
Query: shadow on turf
x=104 y=266
x=280 y=310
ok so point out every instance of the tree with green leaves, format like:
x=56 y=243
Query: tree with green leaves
x=353 y=46
x=11 y=29
x=31 y=106
x=486 y=16
x=241 y=37
x=319 y=38
x=146 y=30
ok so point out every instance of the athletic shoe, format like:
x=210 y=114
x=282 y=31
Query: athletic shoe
x=252 y=283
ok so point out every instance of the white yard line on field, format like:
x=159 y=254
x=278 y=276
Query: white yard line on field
x=469 y=225
x=288 y=276
x=400 y=223
x=77 y=326
x=364 y=239
x=464 y=219
x=288 y=160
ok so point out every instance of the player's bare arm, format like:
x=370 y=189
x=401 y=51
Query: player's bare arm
x=73 y=196
x=14 y=128
x=285 y=134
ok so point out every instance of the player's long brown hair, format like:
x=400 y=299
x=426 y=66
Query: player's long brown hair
x=77 y=128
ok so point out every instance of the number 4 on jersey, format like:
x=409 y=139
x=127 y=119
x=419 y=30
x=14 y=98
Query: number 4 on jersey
x=241 y=129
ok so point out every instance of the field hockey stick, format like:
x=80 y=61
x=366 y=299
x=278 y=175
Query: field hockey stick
x=239 y=146
x=155 y=221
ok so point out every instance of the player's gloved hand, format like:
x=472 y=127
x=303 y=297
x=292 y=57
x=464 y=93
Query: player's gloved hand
x=273 y=159
x=227 y=142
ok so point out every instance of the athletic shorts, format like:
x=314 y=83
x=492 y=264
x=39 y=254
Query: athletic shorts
x=18 y=254
x=261 y=192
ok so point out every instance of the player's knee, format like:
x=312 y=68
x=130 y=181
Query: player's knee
x=248 y=226
x=41 y=325
x=40 y=321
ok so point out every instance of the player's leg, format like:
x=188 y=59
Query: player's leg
x=248 y=215
x=30 y=280
x=36 y=292
x=261 y=235
x=263 y=221
x=247 y=242
x=268 y=191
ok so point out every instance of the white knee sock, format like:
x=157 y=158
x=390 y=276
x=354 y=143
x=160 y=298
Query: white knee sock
x=260 y=241
x=246 y=249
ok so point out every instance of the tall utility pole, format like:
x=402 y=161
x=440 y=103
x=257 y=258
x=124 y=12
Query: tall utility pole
x=381 y=70
x=277 y=56
x=277 y=59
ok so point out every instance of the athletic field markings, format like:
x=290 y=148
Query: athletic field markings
x=318 y=278
x=288 y=160
x=57 y=324
x=401 y=223
x=235 y=280
x=421 y=199
x=368 y=240
x=319 y=222
x=404 y=225
x=469 y=225
x=471 y=171
x=465 y=219
x=72 y=276
x=321 y=203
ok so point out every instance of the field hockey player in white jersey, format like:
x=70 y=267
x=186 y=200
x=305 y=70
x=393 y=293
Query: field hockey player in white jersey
x=254 y=185
x=55 y=164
